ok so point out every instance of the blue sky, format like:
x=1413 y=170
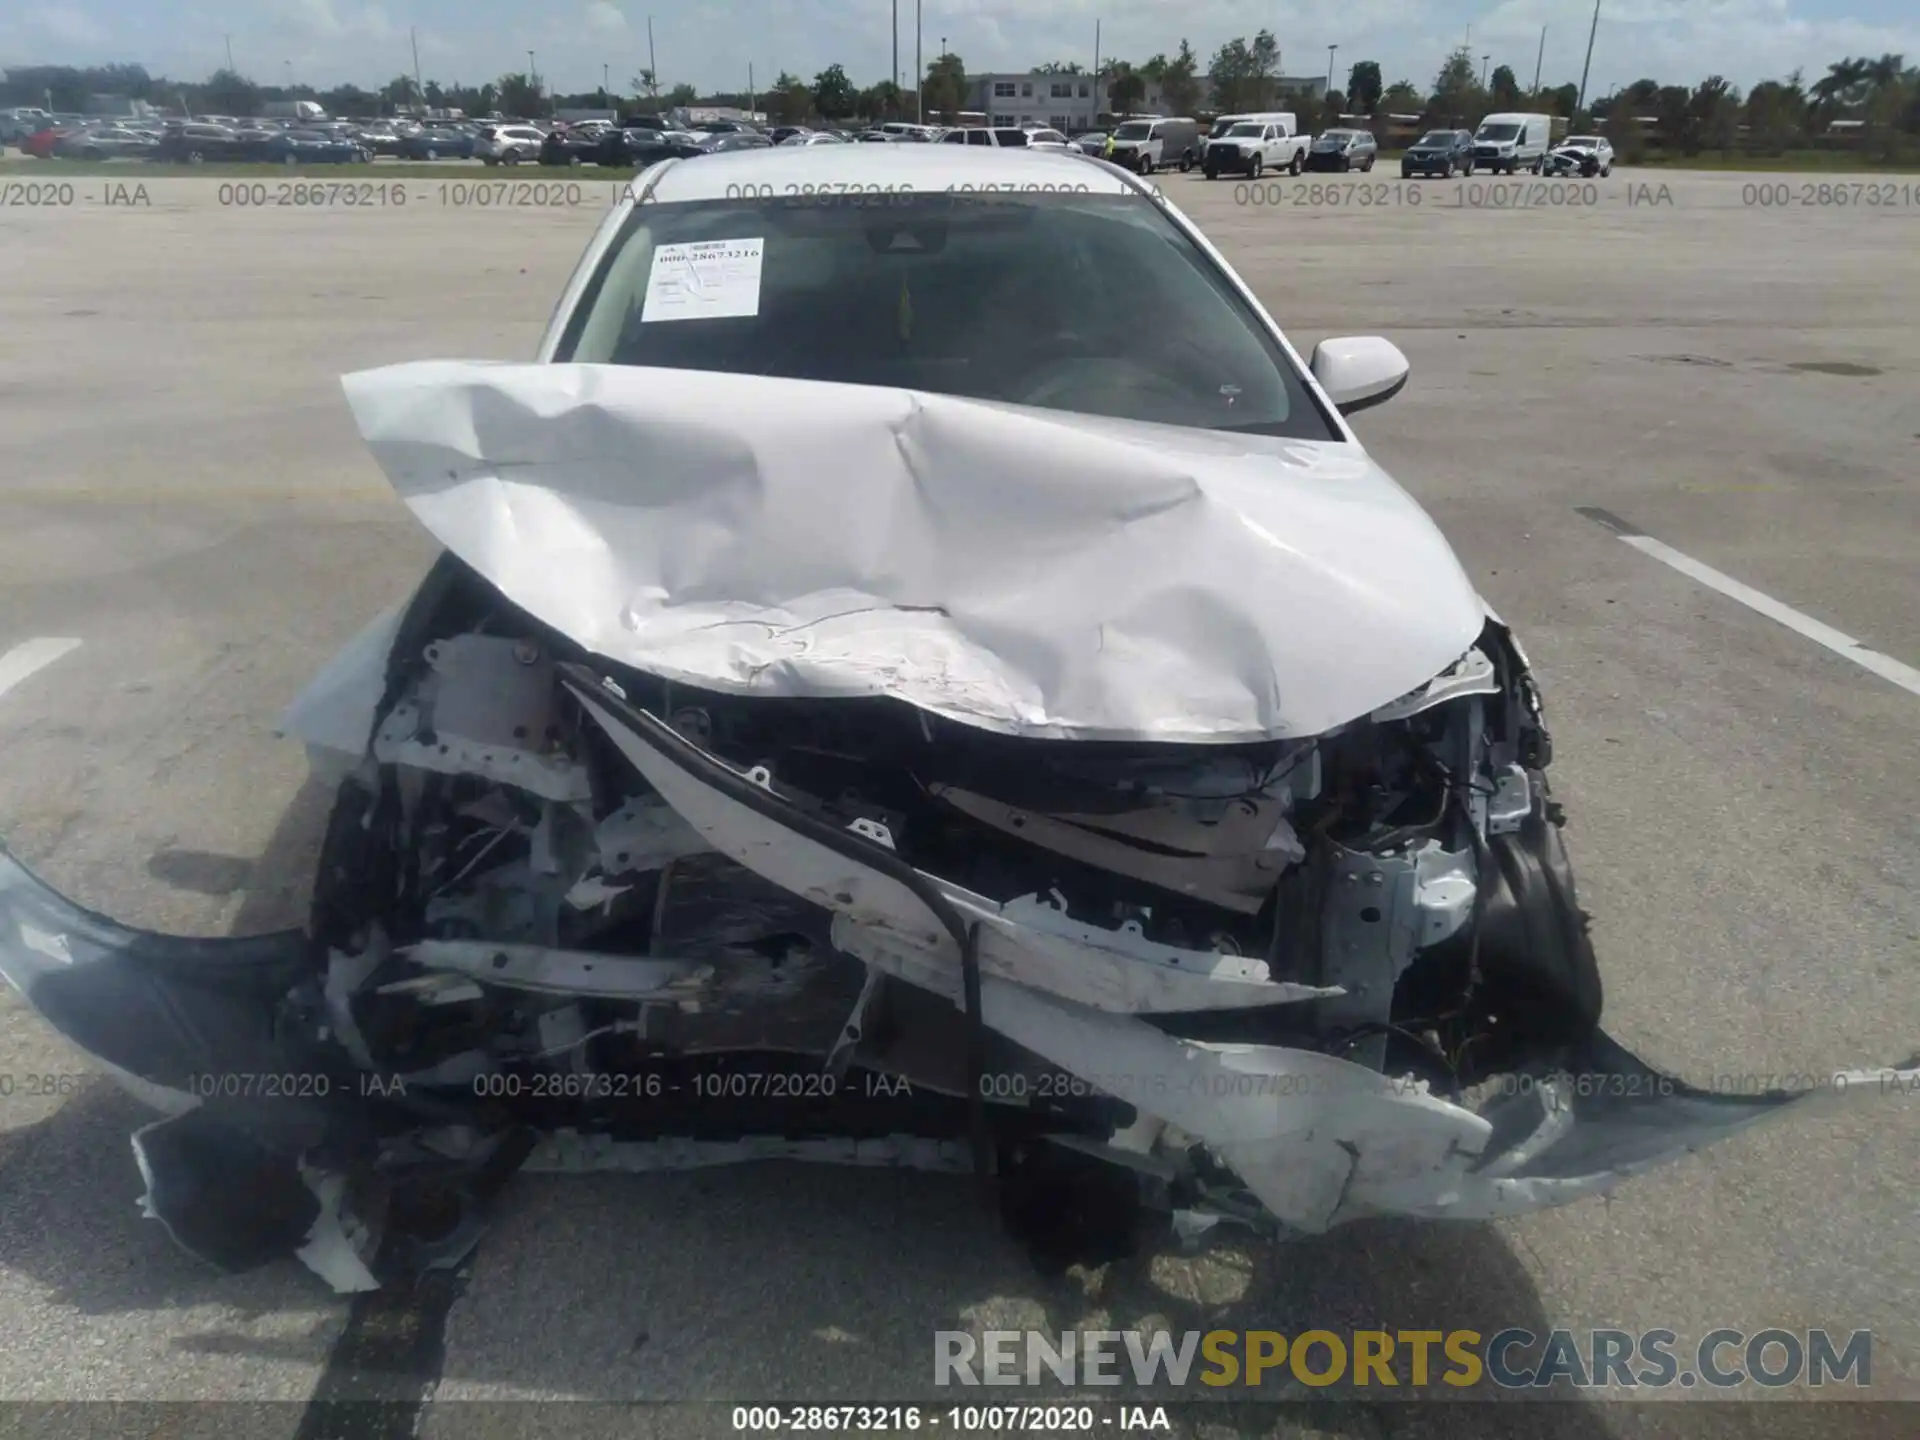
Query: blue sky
x=710 y=43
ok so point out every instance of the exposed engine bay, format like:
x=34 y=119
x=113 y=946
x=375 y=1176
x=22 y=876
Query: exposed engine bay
x=680 y=822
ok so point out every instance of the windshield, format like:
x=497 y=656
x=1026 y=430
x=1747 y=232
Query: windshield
x=1336 y=137
x=1590 y=142
x=1248 y=127
x=1437 y=137
x=1498 y=132
x=1134 y=130
x=1095 y=304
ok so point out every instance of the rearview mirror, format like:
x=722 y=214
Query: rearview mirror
x=1359 y=371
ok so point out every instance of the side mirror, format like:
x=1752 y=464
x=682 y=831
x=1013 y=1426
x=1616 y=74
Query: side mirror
x=1359 y=371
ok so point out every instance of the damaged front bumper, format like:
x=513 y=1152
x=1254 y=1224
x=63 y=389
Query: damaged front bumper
x=285 y=1136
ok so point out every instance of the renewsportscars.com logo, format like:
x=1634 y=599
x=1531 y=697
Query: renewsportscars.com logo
x=1511 y=1359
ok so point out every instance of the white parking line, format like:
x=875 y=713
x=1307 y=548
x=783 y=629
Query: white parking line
x=31 y=655
x=1885 y=666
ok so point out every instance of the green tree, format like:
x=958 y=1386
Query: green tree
x=881 y=102
x=1776 y=113
x=1126 y=89
x=945 y=90
x=1560 y=99
x=789 y=102
x=1244 y=74
x=520 y=96
x=1364 y=87
x=229 y=93
x=1503 y=90
x=1457 y=100
x=834 y=95
x=1180 y=83
x=1714 y=109
x=401 y=92
x=1060 y=67
x=1403 y=98
x=681 y=96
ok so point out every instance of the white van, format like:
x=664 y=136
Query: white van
x=1507 y=142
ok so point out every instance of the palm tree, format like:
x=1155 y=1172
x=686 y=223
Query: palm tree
x=1844 y=83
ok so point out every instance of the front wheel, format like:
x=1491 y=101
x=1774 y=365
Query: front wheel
x=1253 y=168
x=1368 y=167
x=1346 y=164
x=1211 y=173
x=1447 y=174
x=1186 y=163
x=1146 y=165
x=432 y=154
x=1605 y=171
x=512 y=157
x=194 y=157
x=291 y=160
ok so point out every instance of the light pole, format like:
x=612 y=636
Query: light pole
x=289 y=65
x=1581 y=103
x=1542 y=55
x=1483 y=70
x=229 y=40
x=919 y=72
x=1330 y=50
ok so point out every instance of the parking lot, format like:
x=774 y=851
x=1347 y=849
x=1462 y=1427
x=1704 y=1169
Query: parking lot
x=1721 y=366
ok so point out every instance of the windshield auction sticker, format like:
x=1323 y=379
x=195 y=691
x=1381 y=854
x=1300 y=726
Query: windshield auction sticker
x=704 y=280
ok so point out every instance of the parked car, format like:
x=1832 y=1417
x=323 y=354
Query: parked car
x=1343 y=150
x=1439 y=152
x=437 y=142
x=17 y=124
x=1091 y=142
x=1006 y=137
x=509 y=144
x=1040 y=137
x=855 y=842
x=1149 y=145
x=103 y=141
x=781 y=134
x=571 y=146
x=1509 y=142
x=635 y=149
x=42 y=143
x=197 y=142
x=379 y=137
x=1585 y=155
x=1250 y=146
x=719 y=144
x=312 y=147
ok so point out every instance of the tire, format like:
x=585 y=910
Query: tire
x=1447 y=174
x=1253 y=168
x=1146 y=164
x=1368 y=167
x=488 y=161
x=1211 y=173
x=1294 y=165
x=1346 y=164
x=1605 y=171
x=92 y=152
x=512 y=157
x=195 y=157
x=1186 y=163
x=291 y=159
x=432 y=153
x=1405 y=173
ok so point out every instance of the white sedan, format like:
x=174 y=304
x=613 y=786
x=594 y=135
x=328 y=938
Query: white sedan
x=919 y=636
x=1586 y=155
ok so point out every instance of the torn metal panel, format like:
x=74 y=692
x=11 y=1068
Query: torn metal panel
x=1033 y=572
x=556 y=972
x=1472 y=674
x=1022 y=939
x=485 y=708
x=1240 y=881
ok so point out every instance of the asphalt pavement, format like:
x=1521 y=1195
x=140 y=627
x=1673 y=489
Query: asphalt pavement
x=183 y=494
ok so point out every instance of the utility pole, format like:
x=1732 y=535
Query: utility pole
x=1483 y=70
x=1581 y=103
x=229 y=54
x=419 y=90
x=751 y=107
x=896 y=44
x=653 y=65
x=1538 y=58
x=289 y=65
x=919 y=72
x=1330 y=50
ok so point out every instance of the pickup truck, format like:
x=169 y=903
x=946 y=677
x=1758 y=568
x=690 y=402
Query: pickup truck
x=1248 y=147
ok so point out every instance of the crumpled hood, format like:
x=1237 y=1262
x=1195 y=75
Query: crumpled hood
x=1028 y=571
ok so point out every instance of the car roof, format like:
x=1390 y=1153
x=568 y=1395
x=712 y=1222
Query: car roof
x=919 y=168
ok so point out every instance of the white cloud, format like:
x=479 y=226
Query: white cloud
x=67 y=25
x=605 y=19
